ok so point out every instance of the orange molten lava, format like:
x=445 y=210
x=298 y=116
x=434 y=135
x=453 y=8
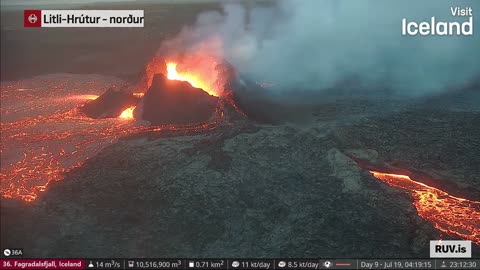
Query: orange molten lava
x=455 y=216
x=127 y=113
x=190 y=77
x=44 y=135
x=90 y=97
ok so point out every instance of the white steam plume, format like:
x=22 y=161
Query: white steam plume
x=317 y=44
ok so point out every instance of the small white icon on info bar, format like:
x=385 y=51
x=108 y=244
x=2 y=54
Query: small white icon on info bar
x=7 y=252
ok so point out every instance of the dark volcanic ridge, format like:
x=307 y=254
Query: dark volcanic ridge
x=110 y=104
x=171 y=101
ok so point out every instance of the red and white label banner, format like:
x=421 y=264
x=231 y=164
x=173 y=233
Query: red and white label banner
x=83 y=18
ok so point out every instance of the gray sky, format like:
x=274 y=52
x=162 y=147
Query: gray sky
x=49 y=2
x=77 y=2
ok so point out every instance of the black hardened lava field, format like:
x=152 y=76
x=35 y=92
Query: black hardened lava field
x=225 y=130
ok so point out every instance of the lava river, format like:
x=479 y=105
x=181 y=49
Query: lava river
x=43 y=134
x=457 y=217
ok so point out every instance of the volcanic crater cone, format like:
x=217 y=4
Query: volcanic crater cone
x=161 y=98
x=176 y=102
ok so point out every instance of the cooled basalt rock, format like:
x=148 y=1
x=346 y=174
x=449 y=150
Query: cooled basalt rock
x=109 y=105
x=176 y=102
x=265 y=105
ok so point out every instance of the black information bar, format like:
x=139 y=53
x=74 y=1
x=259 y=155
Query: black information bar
x=287 y=264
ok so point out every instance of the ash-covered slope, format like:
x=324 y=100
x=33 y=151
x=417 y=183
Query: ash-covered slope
x=266 y=192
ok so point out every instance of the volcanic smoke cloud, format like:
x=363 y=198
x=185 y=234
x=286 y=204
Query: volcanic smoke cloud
x=317 y=44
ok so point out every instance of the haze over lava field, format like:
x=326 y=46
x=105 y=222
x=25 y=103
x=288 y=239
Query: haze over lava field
x=299 y=186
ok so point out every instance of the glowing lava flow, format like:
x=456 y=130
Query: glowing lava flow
x=194 y=80
x=456 y=217
x=44 y=135
x=127 y=113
